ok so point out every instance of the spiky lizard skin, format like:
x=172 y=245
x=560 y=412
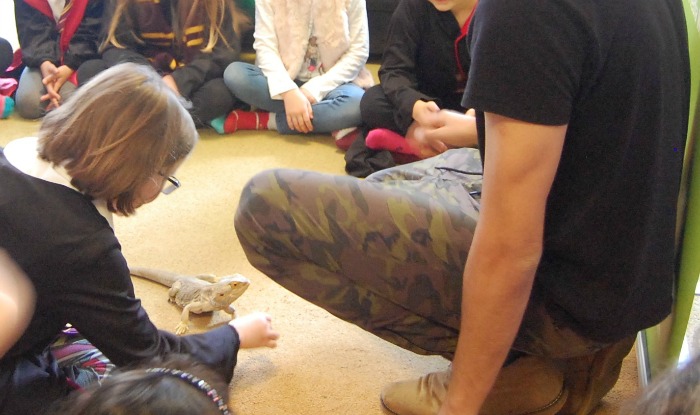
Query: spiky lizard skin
x=197 y=293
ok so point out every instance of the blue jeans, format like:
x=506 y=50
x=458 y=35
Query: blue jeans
x=339 y=109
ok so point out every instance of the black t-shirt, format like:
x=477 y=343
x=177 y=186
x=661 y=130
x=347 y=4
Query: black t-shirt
x=617 y=72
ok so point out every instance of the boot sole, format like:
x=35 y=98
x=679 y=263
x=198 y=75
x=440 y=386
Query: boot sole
x=551 y=408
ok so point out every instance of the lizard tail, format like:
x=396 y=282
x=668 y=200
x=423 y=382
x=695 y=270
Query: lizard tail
x=160 y=276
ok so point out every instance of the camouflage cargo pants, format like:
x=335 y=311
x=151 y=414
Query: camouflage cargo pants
x=386 y=253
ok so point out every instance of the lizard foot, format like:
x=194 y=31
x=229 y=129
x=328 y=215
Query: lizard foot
x=181 y=329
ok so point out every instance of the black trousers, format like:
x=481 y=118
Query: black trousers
x=211 y=100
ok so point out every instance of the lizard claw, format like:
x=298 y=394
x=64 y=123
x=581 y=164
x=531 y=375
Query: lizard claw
x=181 y=329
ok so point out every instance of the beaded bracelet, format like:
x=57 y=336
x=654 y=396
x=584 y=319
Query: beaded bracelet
x=197 y=383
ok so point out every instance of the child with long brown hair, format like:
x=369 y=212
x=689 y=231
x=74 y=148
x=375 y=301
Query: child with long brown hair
x=189 y=42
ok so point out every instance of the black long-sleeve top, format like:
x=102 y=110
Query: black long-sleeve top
x=73 y=259
x=419 y=61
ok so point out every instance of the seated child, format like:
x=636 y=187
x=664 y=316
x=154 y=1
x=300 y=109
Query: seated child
x=310 y=68
x=55 y=37
x=188 y=42
x=424 y=69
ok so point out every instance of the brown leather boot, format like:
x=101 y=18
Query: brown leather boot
x=530 y=385
x=590 y=378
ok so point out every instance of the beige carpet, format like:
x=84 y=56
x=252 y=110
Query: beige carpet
x=322 y=364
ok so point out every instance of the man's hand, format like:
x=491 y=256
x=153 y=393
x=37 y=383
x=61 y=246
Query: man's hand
x=443 y=130
x=17 y=301
x=425 y=115
x=453 y=128
x=298 y=109
x=423 y=147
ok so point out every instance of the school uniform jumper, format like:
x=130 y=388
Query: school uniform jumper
x=425 y=59
x=169 y=35
x=67 y=38
x=72 y=257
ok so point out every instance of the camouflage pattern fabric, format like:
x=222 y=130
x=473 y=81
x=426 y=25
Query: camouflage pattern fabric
x=386 y=253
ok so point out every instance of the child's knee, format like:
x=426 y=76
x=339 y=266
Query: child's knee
x=235 y=75
x=29 y=106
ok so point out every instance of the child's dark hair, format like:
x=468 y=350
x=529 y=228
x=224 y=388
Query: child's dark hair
x=175 y=386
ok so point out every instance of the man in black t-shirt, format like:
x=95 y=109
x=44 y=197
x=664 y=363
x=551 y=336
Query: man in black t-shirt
x=582 y=116
x=581 y=111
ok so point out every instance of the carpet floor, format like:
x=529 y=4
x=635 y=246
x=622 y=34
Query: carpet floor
x=322 y=365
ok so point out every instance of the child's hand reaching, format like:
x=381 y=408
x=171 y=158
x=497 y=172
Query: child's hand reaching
x=255 y=330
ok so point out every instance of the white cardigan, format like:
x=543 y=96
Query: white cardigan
x=282 y=32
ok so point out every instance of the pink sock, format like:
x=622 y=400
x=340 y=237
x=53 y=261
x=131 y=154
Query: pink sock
x=384 y=139
x=246 y=120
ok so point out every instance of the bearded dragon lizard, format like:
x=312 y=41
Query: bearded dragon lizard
x=197 y=293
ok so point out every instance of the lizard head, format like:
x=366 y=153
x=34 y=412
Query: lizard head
x=229 y=288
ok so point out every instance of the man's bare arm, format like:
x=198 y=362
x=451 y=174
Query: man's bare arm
x=521 y=161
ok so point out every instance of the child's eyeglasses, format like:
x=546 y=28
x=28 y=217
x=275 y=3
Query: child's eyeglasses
x=171 y=185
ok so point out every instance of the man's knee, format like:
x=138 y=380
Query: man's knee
x=255 y=209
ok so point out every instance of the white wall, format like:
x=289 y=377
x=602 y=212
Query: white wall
x=7 y=22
